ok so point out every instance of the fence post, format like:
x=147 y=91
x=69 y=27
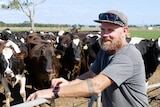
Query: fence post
x=31 y=103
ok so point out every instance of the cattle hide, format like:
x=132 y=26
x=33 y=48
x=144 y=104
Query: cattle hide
x=150 y=50
x=72 y=60
x=91 y=47
x=42 y=63
x=12 y=68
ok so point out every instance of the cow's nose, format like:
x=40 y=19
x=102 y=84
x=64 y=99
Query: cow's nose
x=13 y=79
x=50 y=70
x=158 y=58
x=77 y=59
x=8 y=74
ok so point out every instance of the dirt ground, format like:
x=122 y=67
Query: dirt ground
x=153 y=95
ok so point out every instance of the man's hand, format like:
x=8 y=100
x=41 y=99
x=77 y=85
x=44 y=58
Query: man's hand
x=58 y=82
x=45 y=93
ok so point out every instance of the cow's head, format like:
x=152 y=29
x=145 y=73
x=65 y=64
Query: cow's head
x=11 y=62
x=73 y=44
x=43 y=56
x=46 y=56
x=77 y=48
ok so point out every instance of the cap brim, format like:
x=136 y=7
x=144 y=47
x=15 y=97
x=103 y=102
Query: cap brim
x=101 y=21
x=107 y=21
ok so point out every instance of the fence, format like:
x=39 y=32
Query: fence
x=32 y=103
x=41 y=101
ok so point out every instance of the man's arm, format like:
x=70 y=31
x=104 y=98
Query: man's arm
x=82 y=77
x=83 y=88
x=86 y=87
x=86 y=75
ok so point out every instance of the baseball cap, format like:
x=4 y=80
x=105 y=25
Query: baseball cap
x=113 y=16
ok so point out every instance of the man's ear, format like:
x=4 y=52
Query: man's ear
x=125 y=30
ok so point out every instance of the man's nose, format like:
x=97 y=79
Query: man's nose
x=104 y=34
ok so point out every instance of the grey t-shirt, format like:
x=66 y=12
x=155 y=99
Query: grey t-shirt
x=126 y=69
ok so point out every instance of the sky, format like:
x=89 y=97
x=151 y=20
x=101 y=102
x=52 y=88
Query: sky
x=139 y=12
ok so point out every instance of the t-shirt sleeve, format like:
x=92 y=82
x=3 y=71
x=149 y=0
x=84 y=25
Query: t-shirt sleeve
x=119 y=69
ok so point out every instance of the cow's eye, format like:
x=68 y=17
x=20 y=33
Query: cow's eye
x=42 y=52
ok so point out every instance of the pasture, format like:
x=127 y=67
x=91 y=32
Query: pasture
x=143 y=32
x=138 y=32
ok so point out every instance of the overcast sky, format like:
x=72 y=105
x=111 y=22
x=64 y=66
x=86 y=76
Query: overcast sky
x=139 y=12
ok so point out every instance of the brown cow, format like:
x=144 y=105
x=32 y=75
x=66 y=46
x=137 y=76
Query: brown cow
x=42 y=62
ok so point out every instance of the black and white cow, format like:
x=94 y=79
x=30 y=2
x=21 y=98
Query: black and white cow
x=18 y=38
x=91 y=47
x=12 y=68
x=72 y=57
x=150 y=50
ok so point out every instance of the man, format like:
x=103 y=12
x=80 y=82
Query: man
x=118 y=71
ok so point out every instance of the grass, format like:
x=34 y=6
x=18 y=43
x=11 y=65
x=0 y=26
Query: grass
x=47 y=29
x=148 y=34
x=138 y=32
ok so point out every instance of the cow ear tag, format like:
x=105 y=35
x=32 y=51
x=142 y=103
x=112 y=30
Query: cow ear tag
x=58 y=56
x=85 y=47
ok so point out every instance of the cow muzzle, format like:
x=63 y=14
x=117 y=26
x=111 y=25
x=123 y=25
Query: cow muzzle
x=49 y=71
x=11 y=80
x=10 y=77
x=8 y=74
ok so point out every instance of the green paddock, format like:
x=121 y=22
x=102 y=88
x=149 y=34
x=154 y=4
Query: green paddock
x=148 y=34
x=138 y=32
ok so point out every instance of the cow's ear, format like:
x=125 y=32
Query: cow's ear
x=59 y=53
x=22 y=55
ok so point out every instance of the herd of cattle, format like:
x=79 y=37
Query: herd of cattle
x=42 y=56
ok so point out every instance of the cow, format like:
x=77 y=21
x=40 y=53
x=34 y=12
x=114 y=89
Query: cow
x=42 y=63
x=12 y=68
x=18 y=38
x=49 y=36
x=150 y=50
x=91 y=47
x=72 y=57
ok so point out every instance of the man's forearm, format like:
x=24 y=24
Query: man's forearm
x=83 y=88
x=87 y=75
x=82 y=77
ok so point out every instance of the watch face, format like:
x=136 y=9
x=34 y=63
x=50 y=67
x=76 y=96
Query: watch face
x=56 y=88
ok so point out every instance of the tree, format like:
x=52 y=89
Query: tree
x=28 y=7
x=2 y=24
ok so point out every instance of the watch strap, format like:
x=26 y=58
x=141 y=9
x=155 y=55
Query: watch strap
x=55 y=91
x=56 y=94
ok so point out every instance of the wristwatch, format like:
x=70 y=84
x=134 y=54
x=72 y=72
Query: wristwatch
x=55 y=91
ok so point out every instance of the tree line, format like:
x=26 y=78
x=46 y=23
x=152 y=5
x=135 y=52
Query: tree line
x=27 y=24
